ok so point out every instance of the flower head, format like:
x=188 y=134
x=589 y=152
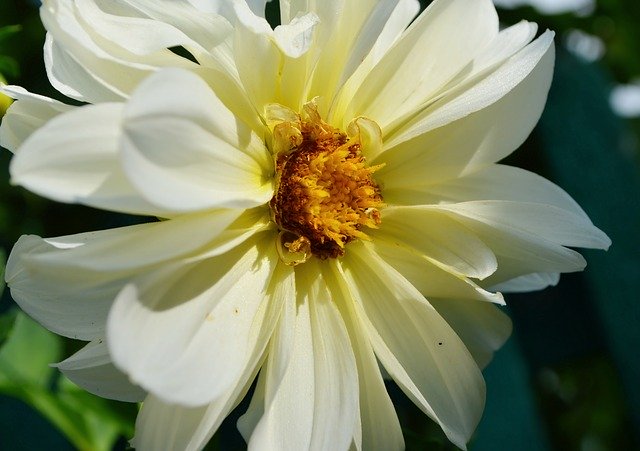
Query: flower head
x=329 y=199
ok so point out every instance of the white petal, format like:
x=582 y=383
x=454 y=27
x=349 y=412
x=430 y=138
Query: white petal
x=495 y=182
x=411 y=72
x=161 y=426
x=68 y=303
x=549 y=222
x=439 y=238
x=380 y=426
x=26 y=116
x=185 y=151
x=482 y=327
x=527 y=237
x=104 y=61
x=91 y=368
x=185 y=333
x=467 y=141
x=416 y=345
x=528 y=282
x=73 y=158
x=311 y=391
x=522 y=79
x=431 y=279
x=404 y=12
x=139 y=246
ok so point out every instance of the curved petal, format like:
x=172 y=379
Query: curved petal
x=128 y=249
x=74 y=158
x=311 y=376
x=482 y=327
x=454 y=31
x=26 y=116
x=68 y=303
x=528 y=237
x=430 y=278
x=185 y=332
x=528 y=282
x=439 y=238
x=495 y=182
x=91 y=368
x=483 y=125
x=99 y=51
x=165 y=427
x=185 y=151
x=380 y=426
x=444 y=382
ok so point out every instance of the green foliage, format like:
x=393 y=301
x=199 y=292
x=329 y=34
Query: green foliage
x=8 y=65
x=89 y=422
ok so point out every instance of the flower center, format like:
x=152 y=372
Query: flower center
x=325 y=194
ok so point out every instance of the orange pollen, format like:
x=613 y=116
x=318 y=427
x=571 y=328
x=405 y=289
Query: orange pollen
x=325 y=193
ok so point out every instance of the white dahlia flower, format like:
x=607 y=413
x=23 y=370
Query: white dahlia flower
x=330 y=203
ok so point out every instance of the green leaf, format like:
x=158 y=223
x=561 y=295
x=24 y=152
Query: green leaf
x=89 y=422
x=8 y=31
x=25 y=357
x=9 y=66
x=2 y=264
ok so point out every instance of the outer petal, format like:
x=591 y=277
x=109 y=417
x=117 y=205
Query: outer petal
x=495 y=182
x=479 y=127
x=380 y=426
x=100 y=50
x=161 y=426
x=454 y=31
x=439 y=238
x=185 y=151
x=185 y=333
x=528 y=282
x=69 y=283
x=433 y=280
x=528 y=237
x=73 y=158
x=65 y=302
x=136 y=247
x=445 y=381
x=26 y=116
x=482 y=327
x=91 y=368
x=311 y=391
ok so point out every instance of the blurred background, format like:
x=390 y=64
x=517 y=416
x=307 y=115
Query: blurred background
x=569 y=377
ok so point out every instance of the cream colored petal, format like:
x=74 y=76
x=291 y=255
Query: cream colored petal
x=439 y=238
x=528 y=238
x=403 y=14
x=139 y=246
x=188 y=152
x=68 y=303
x=91 y=368
x=74 y=158
x=482 y=327
x=25 y=116
x=495 y=182
x=465 y=141
x=380 y=428
x=430 y=278
x=311 y=391
x=528 y=282
x=100 y=50
x=444 y=381
x=412 y=71
x=164 y=427
x=185 y=333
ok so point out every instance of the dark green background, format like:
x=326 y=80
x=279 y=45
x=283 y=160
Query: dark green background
x=568 y=379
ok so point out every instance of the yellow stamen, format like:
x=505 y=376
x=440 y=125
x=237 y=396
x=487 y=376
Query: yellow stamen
x=325 y=193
